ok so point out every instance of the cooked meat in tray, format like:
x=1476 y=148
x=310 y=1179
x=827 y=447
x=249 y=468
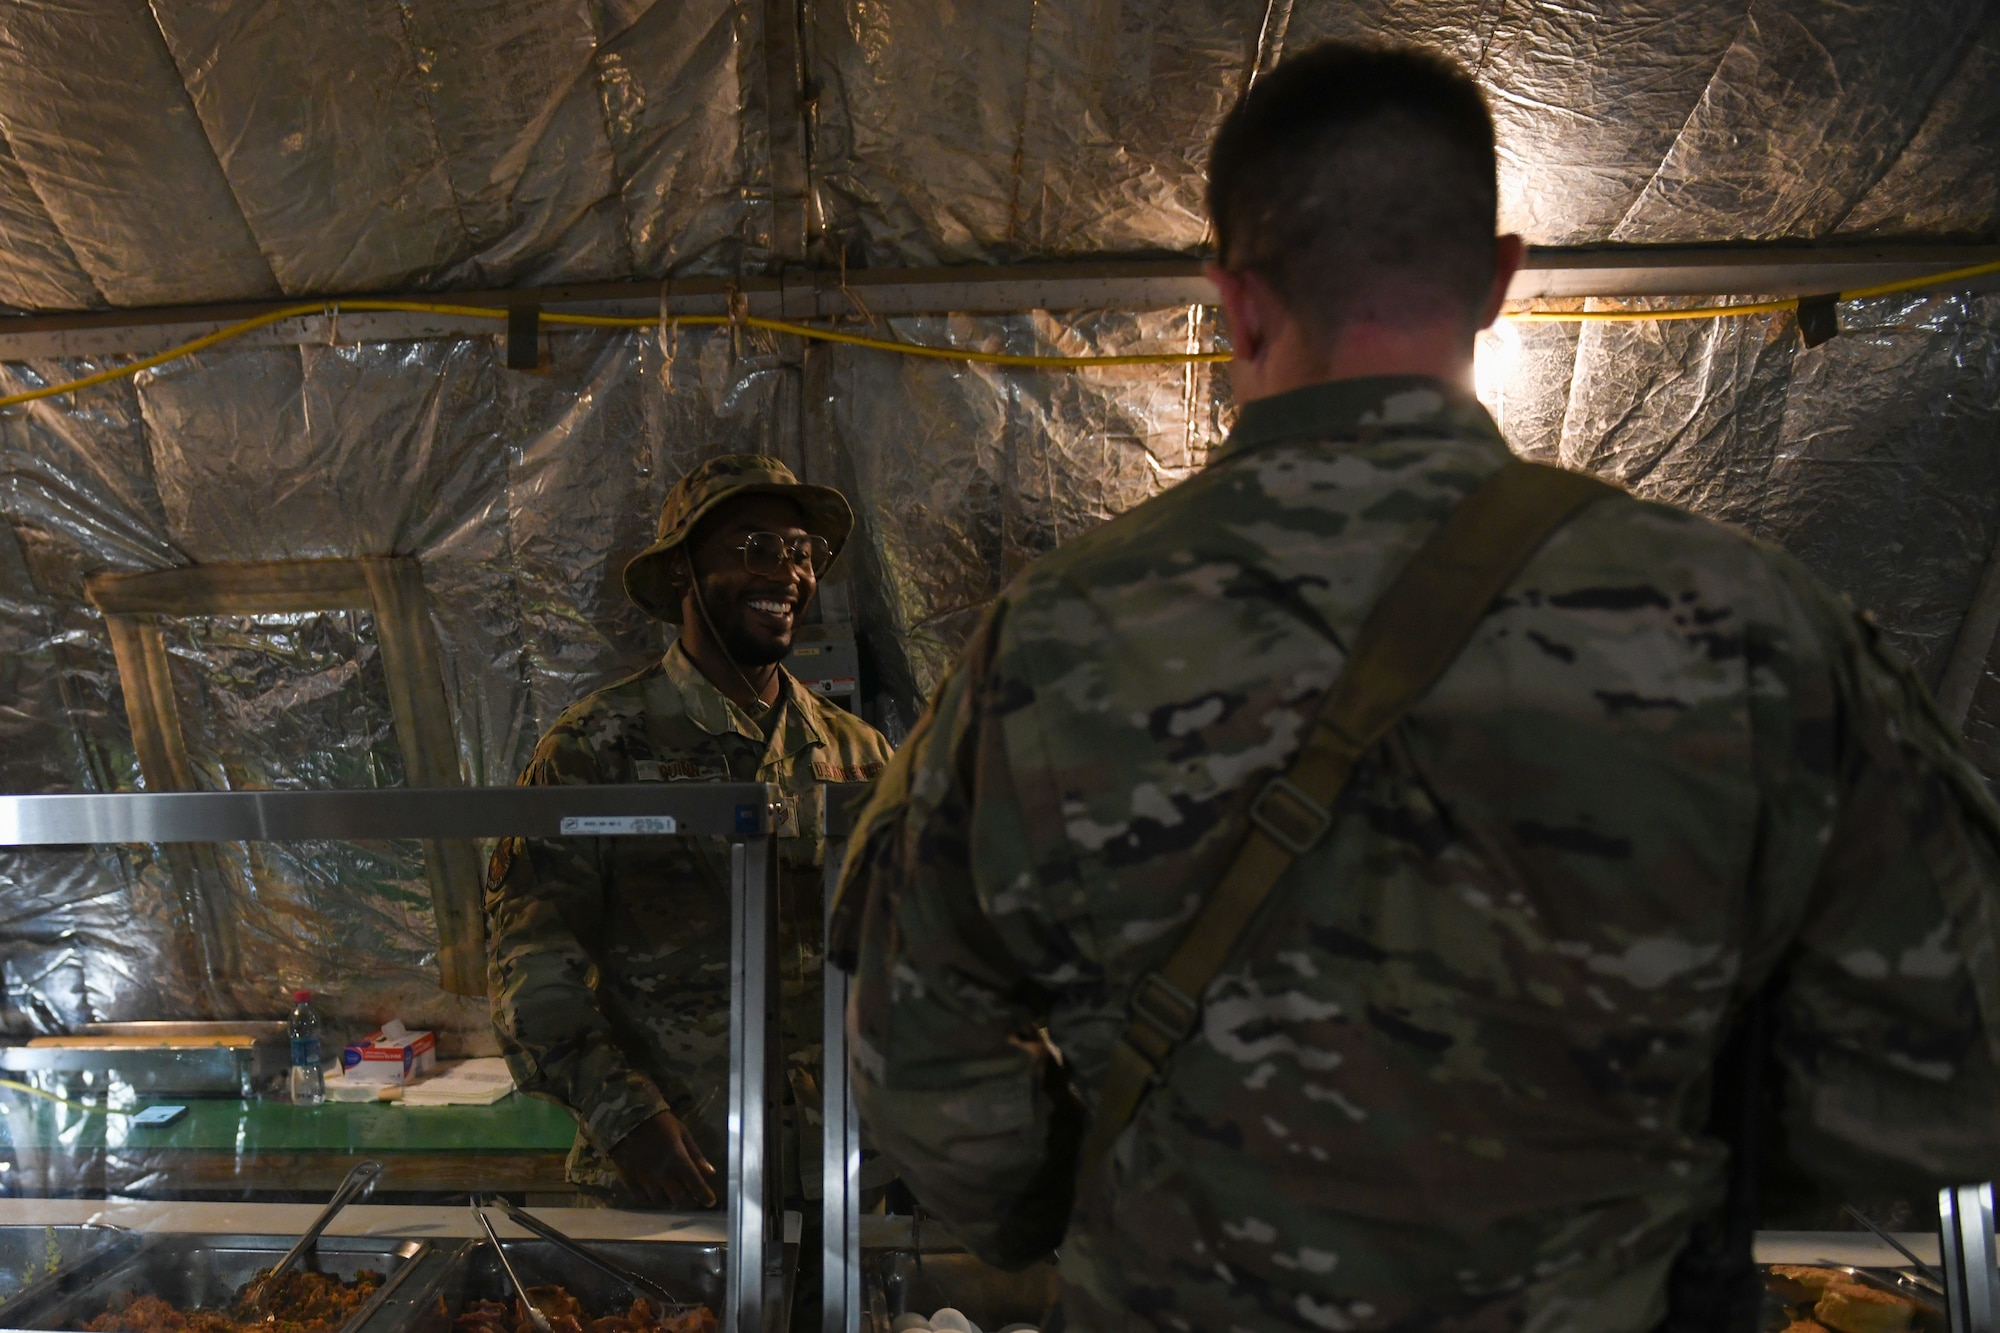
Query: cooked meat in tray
x=567 y=1314
x=197 y=1284
x=476 y=1297
x=1824 y=1299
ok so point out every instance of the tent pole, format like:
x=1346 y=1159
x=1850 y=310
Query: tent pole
x=1973 y=646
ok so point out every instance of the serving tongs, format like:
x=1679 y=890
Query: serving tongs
x=535 y=1317
x=358 y=1183
x=640 y=1283
x=1920 y=1282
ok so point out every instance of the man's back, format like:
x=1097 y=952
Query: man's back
x=1458 y=1067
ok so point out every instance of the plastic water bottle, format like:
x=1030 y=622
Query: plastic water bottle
x=308 y=1079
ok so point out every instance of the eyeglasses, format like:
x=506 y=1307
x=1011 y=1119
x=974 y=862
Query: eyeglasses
x=766 y=553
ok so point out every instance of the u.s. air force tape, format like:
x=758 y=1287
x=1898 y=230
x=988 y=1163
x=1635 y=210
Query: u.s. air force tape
x=609 y=826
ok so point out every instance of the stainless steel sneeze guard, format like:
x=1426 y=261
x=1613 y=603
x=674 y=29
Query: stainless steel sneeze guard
x=741 y=812
x=716 y=809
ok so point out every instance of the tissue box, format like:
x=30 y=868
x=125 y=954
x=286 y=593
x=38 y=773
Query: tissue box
x=393 y=1055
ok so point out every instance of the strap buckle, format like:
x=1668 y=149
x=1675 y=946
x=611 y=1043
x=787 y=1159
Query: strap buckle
x=1162 y=1016
x=1289 y=817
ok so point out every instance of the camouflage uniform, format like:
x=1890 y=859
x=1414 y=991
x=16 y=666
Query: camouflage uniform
x=608 y=958
x=1454 y=1077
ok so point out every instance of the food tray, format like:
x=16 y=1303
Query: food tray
x=159 y=1058
x=29 y=1255
x=692 y=1271
x=192 y=1270
x=1783 y=1303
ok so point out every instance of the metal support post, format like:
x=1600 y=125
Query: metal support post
x=1965 y=1238
x=756 y=1244
x=840 y=1159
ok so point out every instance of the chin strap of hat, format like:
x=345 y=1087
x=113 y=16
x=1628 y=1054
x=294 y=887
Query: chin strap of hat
x=701 y=605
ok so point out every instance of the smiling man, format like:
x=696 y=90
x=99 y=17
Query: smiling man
x=608 y=961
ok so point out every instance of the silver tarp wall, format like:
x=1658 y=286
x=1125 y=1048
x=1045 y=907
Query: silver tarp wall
x=190 y=151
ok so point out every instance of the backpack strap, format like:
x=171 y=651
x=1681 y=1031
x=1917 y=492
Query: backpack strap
x=1410 y=636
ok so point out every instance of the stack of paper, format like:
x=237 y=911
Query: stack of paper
x=471 y=1083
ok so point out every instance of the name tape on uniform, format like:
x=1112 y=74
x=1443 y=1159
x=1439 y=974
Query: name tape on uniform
x=607 y=826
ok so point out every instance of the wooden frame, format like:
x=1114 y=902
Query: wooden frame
x=390 y=586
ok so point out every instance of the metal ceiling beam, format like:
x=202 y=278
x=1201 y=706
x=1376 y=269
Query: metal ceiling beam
x=1747 y=270
x=785 y=120
x=1697 y=271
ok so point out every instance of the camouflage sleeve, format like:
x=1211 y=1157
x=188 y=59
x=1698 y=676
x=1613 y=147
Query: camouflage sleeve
x=543 y=899
x=1890 y=1010
x=955 y=1077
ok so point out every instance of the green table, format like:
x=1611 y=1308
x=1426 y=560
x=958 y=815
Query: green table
x=243 y=1148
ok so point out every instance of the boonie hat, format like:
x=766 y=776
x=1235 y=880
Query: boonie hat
x=826 y=515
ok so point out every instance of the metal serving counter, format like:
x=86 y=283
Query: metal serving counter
x=904 y=1273
x=740 y=1257
x=744 y=813
x=63 y=1262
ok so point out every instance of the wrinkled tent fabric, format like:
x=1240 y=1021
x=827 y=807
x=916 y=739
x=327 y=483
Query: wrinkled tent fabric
x=202 y=152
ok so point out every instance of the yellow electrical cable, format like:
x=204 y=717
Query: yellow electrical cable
x=889 y=345
x=236 y=330
x=1633 y=316
x=1912 y=284
x=1748 y=308
x=816 y=334
x=985 y=358
x=81 y=1106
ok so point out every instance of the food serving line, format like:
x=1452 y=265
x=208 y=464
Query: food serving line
x=65 y=1261
x=748 y=1258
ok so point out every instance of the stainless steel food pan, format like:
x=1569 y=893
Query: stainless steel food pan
x=692 y=1271
x=1926 y=1298
x=200 y=1271
x=133 y=1055
x=32 y=1254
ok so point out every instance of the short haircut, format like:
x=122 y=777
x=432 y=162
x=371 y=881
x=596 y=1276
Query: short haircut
x=1359 y=182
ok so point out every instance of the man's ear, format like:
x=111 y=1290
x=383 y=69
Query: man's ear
x=1243 y=308
x=677 y=572
x=1509 y=252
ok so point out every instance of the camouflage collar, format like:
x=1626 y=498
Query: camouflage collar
x=1342 y=409
x=804 y=722
x=796 y=716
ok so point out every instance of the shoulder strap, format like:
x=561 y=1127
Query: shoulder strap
x=1410 y=636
